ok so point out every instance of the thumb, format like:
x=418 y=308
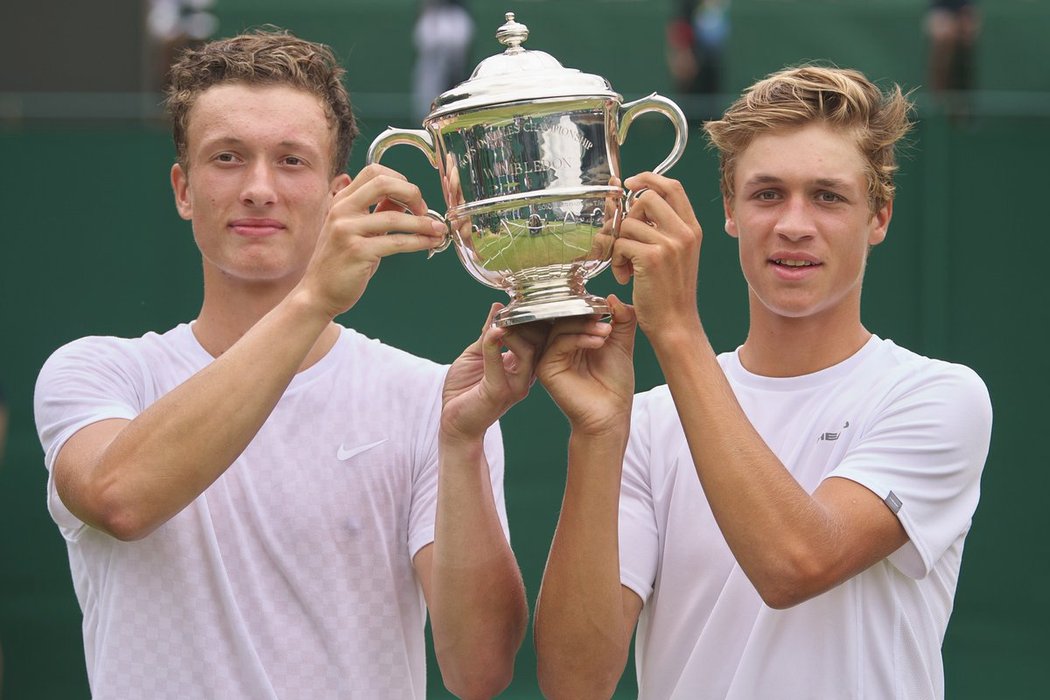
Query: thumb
x=624 y=322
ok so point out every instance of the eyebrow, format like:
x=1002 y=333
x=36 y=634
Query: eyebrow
x=234 y=141
x=830 y=182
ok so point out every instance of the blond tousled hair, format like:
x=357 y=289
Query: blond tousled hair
x=839 y=97
x=264 y=56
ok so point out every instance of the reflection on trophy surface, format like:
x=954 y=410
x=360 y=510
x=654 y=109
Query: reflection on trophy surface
x=528 y=157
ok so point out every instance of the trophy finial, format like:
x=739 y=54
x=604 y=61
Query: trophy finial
x=512 y=34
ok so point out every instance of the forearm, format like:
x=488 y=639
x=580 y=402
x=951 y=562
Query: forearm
x=582 y=636
x=776 y=530
x=477 y=604
x=164 y=458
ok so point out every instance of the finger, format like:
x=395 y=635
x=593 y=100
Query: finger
x=577 y=333
x=401 y=242
x=523 y=357
x=381 y=223
x=632 y=253
x=564 y=345
x=624 y=321
x=492 y=353
x=384 y=191
x=621 y=264
x=534 y=332
x=494 y=308
x=639 y=229
x=670 y=191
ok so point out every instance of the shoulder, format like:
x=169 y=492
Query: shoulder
x=103 y=350
x=909 y=372
x=374 y=362
x=359 y=345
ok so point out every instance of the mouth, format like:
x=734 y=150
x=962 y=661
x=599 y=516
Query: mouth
x=256 y=227
x=788 y=262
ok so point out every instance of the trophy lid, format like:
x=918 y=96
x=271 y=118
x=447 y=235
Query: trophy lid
x=518 y=75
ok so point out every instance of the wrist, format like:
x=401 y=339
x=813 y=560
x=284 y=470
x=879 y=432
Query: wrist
x=306 y=305
x=684 y=335
x=603 y=435
x=450 y=438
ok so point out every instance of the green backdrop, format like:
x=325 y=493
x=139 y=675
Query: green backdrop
x=92 y=245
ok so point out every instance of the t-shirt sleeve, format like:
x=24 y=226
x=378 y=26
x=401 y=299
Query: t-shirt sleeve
x=424 y=488
x=639 y=538
x=84 y=382
x=924 y=453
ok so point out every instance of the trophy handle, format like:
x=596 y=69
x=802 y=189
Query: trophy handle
x=423 y=141
x=657 y=103
x=393 y=136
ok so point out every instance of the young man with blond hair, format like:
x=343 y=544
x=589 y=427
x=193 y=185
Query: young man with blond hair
x=785 y=520
x=263 y=503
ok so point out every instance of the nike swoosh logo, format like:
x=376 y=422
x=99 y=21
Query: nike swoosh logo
x=345 y=454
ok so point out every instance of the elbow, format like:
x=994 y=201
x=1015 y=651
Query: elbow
x=793 y=581
x=573 y=671
x=118 y=517
x=780 y=597
x=125 y=525
x=558 y=681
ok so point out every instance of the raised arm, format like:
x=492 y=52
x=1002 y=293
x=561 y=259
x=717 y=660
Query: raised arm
x=129 y=477
x=791 y=544
x=584 y=616
x=470 y=577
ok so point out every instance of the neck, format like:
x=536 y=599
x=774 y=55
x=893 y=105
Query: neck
x=779 y=346
x=229 y=312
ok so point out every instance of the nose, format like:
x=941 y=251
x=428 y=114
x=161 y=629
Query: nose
x=796 y=221
x=259 y=187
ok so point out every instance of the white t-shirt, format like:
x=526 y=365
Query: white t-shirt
x=915 y=431
x=291 y=576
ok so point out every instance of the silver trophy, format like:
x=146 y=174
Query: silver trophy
x=529 y=158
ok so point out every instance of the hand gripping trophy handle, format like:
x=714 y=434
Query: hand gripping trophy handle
x=423 y=141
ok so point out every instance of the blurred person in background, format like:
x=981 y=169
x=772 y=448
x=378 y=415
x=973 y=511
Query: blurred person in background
x=782 y=521
x=263 y=503
x=952 y=28
x=442 y=38
x=171 y=27
x=696 y=39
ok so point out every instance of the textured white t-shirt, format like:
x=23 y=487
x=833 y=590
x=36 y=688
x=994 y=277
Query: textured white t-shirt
x=291 y=576
x=889 y=419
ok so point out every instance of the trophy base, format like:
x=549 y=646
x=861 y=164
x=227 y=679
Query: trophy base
x=526 y=311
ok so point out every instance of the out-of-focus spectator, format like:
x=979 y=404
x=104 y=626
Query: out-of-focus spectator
x=442 y=37
x=172 y=25
x=952 y=27
x=696 y=38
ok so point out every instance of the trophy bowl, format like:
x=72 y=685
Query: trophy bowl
x=528 y=153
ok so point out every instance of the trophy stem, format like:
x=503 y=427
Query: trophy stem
x=538 y=301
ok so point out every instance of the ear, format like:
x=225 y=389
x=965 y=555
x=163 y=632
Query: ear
x=180 y=184
x=727 y=207
x=339 y=182
x=880 y=223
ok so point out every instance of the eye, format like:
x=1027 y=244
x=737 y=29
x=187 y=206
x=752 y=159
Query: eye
x=226 y=158
x=829 y=197
x=294 y=161
x=766 y=195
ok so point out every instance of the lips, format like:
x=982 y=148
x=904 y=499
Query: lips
x=793 y=265
x=256 y=228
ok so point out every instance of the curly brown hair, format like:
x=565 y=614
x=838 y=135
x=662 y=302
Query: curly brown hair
x=264 y=56
x=840 y=97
